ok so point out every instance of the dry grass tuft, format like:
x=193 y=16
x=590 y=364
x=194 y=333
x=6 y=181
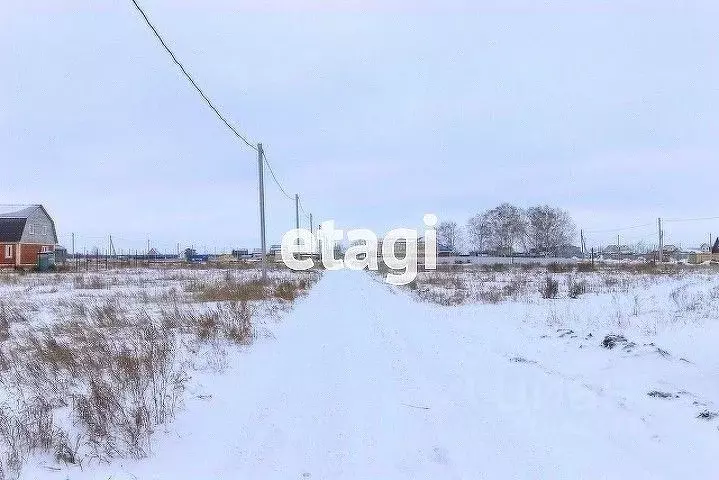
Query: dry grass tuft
x=228 y=291
x=231 y=289
x=93 y=282
x=287 y=291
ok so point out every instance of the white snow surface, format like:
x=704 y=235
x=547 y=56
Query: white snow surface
x=361 y=381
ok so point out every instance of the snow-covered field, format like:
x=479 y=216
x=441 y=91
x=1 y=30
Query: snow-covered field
x=94 y=365
x=463 y=374
x=641 y=341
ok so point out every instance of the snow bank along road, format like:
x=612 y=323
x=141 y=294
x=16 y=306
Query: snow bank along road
x=360 y=381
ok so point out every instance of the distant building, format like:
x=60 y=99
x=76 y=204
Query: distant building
x=708 y=253
x=671 y=250
x=191 y=255
x=444 y=250
x=561 y=251
x=611 y=250
x=26 y=231
x=400 y=249
x=60 y=254
x=569 y=251
x=618 y=250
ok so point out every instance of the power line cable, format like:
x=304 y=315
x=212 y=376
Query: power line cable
x=207 y=100
x=274 y=177
x=192 y=81
x=677 y=220
x=620 y=229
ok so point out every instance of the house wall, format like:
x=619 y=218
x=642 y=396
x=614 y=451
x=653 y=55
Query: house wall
x=39 y=228
x=24 y=255
x=29 y=253
x=7 y=262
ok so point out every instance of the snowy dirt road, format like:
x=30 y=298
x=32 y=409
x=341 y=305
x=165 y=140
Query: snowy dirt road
x=361 y=381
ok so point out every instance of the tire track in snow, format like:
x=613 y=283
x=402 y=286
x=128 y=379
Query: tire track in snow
x=411 y=394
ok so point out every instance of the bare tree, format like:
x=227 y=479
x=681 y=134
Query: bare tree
x=506 y=227
x=640 y=247
x=448 y=235
x=478 y=232
x=548 y=229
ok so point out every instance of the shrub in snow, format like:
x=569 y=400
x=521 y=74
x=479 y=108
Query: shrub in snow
x=611 y=341
x=586 y=267
x=708 y=415
x=575 y=288
x=550 y=288
x=658 y=394
x=556 y=267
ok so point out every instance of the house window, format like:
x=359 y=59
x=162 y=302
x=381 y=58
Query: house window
x=31 y=229
x=44 y=249
x=8 y=251
x=44 y=229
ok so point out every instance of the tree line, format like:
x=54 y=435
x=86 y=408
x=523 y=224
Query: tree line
x=505 y=229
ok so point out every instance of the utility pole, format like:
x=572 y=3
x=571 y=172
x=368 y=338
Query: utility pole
x=297 y=211
x=312 y=231
x=263 y=245
x=73 y=249
x=661 y=240
x=619 y=248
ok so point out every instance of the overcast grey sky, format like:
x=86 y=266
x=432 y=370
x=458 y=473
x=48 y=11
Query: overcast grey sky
x=375 y=112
